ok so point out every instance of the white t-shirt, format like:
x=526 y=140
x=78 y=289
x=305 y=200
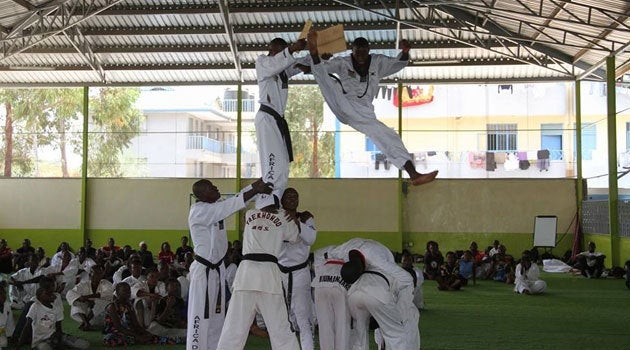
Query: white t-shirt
x=44 y=319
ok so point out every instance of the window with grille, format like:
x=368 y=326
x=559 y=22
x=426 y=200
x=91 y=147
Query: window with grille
x=501 y=137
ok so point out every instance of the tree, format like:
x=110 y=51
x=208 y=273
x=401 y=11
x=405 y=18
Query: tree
x=116 y=121
x=24 y=110
x=313 y=149
x=45 y=117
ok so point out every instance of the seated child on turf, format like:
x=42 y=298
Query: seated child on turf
x=449 y=278
x=43 y=323
x=122 y=327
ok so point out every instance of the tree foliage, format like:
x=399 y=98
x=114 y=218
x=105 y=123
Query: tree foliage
x=115 y=122
x=34 y=118
x=313 y=149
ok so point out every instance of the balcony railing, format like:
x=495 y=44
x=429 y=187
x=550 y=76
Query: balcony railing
x=210 y=145
x=231 y=105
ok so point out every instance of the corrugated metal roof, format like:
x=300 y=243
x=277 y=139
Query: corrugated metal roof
x=149 y=42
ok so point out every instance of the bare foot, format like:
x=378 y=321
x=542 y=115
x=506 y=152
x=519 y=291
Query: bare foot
x=422 y=179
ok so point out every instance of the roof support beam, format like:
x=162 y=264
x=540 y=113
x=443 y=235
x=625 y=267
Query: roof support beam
x=225 y=14
x=384 y=45
x=80 y=43
x=247 y=65
x=603 y=34
x=525 y=43
x=47 y=21
x=472 y=24
x=27 y=5
x=596 y=66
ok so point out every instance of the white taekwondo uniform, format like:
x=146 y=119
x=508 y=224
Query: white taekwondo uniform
x=384 y=291
x=258 y=286
x=331 y=308
x=20 y=296
x=296 y=279
x=7 y=324
x=529 y=279
x=105 y=289
x=272 y=73
x=350 y=97
x=206 y=302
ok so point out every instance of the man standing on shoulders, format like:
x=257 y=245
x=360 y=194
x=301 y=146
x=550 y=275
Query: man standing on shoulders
x=206 y=302
x=272 y=132
x=296 y=274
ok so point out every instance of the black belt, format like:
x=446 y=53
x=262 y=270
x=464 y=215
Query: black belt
x=282 y=126
x=260 y=257
x=210 y=266
x=285 y=269
x=378 y=274
x=290 y=270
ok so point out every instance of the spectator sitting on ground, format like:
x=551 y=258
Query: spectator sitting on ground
x=6 y=258
x=121 y=326
x=171 y=313
x=494 y=249
x=22 y=254
x=58 y=257
x=91 y=251
x=112 y=263
x=45 y=282
x=166 y=254
x=627 y=268
x=503 y=266
x=43 y=323
x=483 y=263
x=145 y=256
x=110 y=248
x=418 y=279
x=527 y=280
x=164 y=271
x=449 y=278
x=184 y=283
x=7 y=324
x=146 y=294
x=590 y=263
x=65 y=272
x=44 y=261
x=84 y=264
x=182 y=250
x=467 y=268
x=23 y=283
x=135 y=267
x=88 y=299
x=433 y=259
x=126 y=252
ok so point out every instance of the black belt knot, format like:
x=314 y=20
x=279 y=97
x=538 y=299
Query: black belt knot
x=287 y=269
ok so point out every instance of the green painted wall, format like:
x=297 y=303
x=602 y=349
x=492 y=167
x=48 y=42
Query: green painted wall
x=49 y=239
x=452 y=212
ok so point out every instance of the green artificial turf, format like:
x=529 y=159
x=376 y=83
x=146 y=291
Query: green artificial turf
x=575 y=313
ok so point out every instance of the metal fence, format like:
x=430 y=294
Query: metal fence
x=595 y=217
